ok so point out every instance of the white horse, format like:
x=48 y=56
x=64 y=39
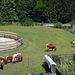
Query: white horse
x=17 y=57
x=73 y=43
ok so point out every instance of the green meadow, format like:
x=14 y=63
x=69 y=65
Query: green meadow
x=35 y=38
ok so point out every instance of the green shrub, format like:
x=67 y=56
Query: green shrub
x=56 y=58
x=58 y=25
x=67 y=65
x=28 y=22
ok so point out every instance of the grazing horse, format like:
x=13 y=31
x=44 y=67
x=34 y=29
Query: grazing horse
x=51 y=47
x=17 y=58
x=2 y=62
x=14 y=58
x=73 y=43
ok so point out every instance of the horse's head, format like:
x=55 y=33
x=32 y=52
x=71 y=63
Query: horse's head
x=47 y=44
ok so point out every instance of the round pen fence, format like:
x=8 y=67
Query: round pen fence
x=9 y=40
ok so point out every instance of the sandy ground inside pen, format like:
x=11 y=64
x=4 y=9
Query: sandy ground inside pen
x=7 y=43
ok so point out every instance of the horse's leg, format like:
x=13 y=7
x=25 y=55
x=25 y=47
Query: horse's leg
x=2 y=66
x=10 y=60
x=21 y=58
x=55 y=49
x=14 y=61
x=52 y=49
x=47 y=49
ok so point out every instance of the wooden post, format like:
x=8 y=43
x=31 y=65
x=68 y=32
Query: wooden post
x=73 y=29
x=0 y=71
x=28 y=61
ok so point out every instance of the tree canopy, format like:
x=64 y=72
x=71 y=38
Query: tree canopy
x=37 y=11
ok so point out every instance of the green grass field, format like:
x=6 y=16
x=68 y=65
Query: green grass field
x=35 y=38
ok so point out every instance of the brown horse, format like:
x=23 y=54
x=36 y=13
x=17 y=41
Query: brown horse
x=9 y=59
x=2 y=62
x=50 y=47
x=14 y=58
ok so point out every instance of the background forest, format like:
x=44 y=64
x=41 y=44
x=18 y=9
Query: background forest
x=46 y=11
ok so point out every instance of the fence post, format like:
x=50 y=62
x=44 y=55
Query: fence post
x=0 y=71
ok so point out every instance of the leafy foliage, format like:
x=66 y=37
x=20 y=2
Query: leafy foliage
x=58 y=25
x=56 y=58
x=37 y=10
x=66 y=66
x=8 y=13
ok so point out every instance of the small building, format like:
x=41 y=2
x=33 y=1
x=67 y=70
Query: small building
x=51 y=64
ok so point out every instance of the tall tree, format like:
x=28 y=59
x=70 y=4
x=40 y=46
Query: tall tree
x=39 y=9
x=73 y=9
x=8 y=11
x=25 y=9
x=64 y=11
x=50 y=11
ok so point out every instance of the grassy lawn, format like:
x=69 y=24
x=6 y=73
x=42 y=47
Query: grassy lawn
x=33 y=48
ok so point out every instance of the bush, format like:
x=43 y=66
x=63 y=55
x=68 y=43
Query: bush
x=72 y=23
x=58 y=25
x=28 y=22
x=56 y=58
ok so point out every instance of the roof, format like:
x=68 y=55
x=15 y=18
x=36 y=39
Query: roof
x=47 y=58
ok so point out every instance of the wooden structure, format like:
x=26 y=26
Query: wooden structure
x=9 y=40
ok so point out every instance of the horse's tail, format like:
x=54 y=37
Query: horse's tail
x=21 y=58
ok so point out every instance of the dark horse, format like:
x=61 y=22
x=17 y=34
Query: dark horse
x=50 y=47
x=2 y=62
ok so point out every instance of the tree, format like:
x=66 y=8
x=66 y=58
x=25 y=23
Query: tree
x=8 y=11
x=25 y=10
x=73 y=9
x=64 y=11
x=37 y=10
